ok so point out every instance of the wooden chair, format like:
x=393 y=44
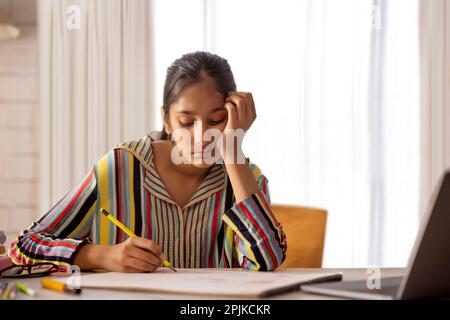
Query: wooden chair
x=305 y=235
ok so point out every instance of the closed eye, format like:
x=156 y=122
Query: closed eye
x=216 y=122
x=186 y=124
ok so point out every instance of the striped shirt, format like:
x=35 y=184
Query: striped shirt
x=212 y=230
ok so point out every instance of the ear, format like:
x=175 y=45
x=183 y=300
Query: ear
x=164 y=118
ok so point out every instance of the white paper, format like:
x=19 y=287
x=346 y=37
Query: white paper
x=206 y=282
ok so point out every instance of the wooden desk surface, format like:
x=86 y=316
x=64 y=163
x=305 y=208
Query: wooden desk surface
x=93 y=294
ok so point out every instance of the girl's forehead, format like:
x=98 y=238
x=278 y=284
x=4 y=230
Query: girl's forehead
x=201 y=90
x=200 y=98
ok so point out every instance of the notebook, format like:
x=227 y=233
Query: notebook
x=208 y=282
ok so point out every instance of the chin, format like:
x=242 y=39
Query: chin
x=202 y=165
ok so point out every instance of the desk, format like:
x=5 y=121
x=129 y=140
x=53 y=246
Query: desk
x=93 y=294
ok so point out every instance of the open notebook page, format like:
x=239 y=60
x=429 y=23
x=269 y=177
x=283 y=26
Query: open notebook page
x=207 y=282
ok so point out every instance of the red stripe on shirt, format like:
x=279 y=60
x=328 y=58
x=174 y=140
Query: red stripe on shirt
x=261 y=233
x=70 y=205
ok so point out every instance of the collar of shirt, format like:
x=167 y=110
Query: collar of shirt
x=142 y=149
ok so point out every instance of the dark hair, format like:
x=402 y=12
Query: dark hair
x=192 y=68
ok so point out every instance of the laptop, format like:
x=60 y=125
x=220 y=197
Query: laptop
x=428 y=270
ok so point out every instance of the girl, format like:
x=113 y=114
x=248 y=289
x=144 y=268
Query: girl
x=194 y=214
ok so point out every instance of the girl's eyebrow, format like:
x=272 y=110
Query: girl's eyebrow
x=193 y=113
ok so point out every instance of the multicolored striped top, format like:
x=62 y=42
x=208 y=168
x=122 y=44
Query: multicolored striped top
x=212 y=230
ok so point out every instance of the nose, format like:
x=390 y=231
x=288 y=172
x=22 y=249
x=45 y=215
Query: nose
x=199 y=133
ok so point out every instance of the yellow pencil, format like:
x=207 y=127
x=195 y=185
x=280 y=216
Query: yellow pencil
x=129 y=233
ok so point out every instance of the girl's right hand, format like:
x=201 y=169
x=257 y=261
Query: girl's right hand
x=133 y=255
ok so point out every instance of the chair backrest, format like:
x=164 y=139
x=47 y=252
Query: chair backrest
x=305 y=235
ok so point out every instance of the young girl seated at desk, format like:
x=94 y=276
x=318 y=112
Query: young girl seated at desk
x=193 y=212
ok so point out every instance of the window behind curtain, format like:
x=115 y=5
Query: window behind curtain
x=336 y=90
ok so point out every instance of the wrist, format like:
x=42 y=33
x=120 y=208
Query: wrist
x=242 y=179
x=102 y=256
x=234 y=157
x=91 y=256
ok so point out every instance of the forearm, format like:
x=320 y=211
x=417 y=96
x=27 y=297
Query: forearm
x=262 y=243
x=242 y=180
x=91 y=256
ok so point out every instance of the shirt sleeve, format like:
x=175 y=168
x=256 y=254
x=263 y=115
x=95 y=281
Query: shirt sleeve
x=260 y=242
x=56 y=235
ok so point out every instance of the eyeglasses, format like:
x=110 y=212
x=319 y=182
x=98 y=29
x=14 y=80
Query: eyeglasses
x=29 y=271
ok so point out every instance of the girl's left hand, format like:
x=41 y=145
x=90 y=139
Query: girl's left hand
x=241 y=115
x=241 y=110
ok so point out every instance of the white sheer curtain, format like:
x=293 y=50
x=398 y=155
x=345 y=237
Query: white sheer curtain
x=335 y=86
x=96 y=85
x=435 y=89
x=400 y=131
